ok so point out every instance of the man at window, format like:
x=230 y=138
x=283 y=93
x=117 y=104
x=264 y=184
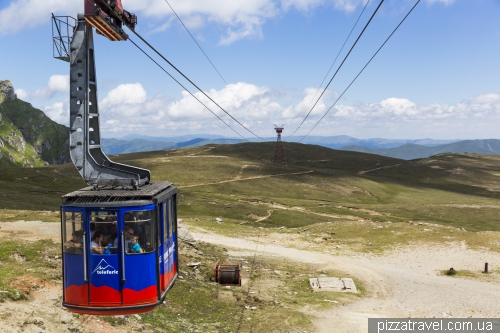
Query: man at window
x=129 y=232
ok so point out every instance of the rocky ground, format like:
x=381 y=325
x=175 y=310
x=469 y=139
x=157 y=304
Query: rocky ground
x=407 y=282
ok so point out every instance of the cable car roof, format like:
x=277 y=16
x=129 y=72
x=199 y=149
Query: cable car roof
x=113 y=196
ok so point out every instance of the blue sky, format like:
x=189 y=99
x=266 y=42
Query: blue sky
x=437 y=77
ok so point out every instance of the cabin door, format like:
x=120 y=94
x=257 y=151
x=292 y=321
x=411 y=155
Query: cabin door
x=104 y=262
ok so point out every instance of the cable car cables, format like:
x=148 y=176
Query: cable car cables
x=338 y=98
x=178 y=71
x=340 y=66
x=192 y=37
x=345 y=42
x=147 y=55
x=182 y=74
x=210 y=61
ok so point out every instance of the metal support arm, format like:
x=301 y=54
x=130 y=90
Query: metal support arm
x=85 y=136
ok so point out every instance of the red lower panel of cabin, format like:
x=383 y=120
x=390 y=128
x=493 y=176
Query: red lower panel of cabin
x=104 y=296
x=77 y=295
x=101 y=297
x=145 y=296
x=166 y=278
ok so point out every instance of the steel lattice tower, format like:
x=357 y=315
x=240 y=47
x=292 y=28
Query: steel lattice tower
x=279 y=154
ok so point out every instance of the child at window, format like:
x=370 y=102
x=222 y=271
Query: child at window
x=134 y=245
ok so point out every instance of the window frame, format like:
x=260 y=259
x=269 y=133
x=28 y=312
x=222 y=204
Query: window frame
x=152 y=222
x=68 y=234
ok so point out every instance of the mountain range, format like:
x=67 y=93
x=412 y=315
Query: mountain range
x=413 y=151
x=29 y=138
x=404 y=149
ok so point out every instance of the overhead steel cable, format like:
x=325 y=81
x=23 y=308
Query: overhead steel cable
x=361 y=70
x=345 y=58
x=178 y=71
x=345 y=42
x=210 y=61
x=189 y=80
x=186 y=89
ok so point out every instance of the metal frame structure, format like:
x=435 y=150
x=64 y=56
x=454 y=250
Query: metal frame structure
x=85 y=136
x=64 y=26
x=279 y=154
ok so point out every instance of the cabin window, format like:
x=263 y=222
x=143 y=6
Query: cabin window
x=139 y=231
x=165 y=222
x=170 y=220
x=103 y=232
x=73 y=232
x=173 y=215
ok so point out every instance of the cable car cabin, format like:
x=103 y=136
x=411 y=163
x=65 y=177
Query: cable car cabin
x=107 y=16
x=119 y=249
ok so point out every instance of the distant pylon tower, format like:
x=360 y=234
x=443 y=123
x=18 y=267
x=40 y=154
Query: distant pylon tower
x=279 y=154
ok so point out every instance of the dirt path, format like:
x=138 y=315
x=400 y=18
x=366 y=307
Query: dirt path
x=248 y=178
x=305 y=210
x=384 y=167
x=404 y=283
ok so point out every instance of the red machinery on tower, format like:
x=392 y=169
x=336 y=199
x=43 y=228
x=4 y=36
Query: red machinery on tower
x=108 y=17
x=279 y=154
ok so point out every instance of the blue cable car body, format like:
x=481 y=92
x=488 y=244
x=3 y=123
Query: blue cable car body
x=117 y=281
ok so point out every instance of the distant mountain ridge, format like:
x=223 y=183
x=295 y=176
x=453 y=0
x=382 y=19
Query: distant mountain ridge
x=120 y=146
x=397 y=148
x=139 y=143
x=340 y=141
x=29 y=138
x=176 y=139
x=414 y=151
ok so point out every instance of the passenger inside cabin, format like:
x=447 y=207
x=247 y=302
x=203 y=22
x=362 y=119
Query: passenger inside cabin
x=134 y=245
x=96 y=244
x=75 y=244
x=129 y=233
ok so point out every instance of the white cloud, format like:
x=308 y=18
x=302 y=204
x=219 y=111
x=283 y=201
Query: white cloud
x=242 y=19
x=22 y=14
x=347 y=6
x=305 y=105
x=57 y=84
x=58 y=112
x=129 y=109
x=125 y=94
x=444 y=2
x=21 y=94
x=400 y=109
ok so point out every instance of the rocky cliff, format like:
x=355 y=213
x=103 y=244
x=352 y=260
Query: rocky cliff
x=7 y=90
x=27 y=136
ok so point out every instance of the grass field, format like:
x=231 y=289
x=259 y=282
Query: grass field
x=238 y=182
x=336 y=201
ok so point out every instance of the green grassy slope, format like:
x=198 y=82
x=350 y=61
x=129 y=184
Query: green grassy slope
x=36 y=137
x=14 y=150
x=238 y=183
